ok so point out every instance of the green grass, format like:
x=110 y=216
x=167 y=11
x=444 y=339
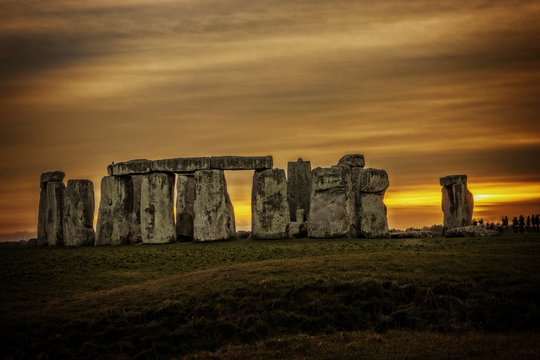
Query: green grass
x=241 y=297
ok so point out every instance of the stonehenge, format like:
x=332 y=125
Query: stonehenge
x=457 y=202
x=137 y=203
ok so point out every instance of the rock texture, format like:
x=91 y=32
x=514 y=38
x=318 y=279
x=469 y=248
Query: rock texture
x=353 y=160
x=369 y=186
x=52 y=176
x=457 y=202
x=135 y=232
x=469 y=231
x=115 y=211
x=185 y=207
x=157 y=208
x=78 y=227
x=214 y=214
x=45 y=178
x=299 y=188
x=332 y=203
x=181 y=165
x=55 y=213
x=241 y=162
x=269 y=207
x=137 y=166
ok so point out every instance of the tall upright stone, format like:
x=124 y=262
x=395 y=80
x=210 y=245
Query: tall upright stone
x=157 y=208
x=135 y=234
x=269 y=206
x=457 y=202
x=299 y=188
x=115 y=211
x=369 y=186
x=214 y=213
x=51 y=176
x=55 y=213
x=331 y=213
x=79 y=213
x=185 y=207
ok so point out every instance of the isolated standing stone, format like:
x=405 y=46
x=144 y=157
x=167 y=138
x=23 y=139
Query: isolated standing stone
x=369 y=186
x=51 y=176
x=115 y=210
x=55 y=213
x=185 y=207
x=135 y=235
x=214 y=214
x=352 y=160
x=157 y=208
x=269 y=207
x=457 y=202
x=79 y=213
x=332 y=203
x=299 y=188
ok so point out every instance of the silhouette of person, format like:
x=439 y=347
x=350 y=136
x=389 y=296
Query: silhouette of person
x=515 y=224
x=528 y=223
x=521 y=223
x=474 y=222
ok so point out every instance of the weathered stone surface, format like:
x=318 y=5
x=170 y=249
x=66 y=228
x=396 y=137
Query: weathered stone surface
x=241 y=162
x=299 y=188
x=157 y=208
x=353 y=160
x=297 y=229
x=457 y=202
x=185 y=207
x=181 y=165
x=115 y=211
x=79 y=213
x=135 y=233
x=214 y=214
x=269 y=207
x=369 y=186
x=453 y=179
x=42 y=217
x=55 y=213
x=410 y=234
x=469 y=231
x=241 y=234
x=370 y=180
x=137 y=166
x=332 y=203
x=50 y=176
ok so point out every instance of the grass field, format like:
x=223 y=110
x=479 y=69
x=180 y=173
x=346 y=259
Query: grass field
x=300 y=298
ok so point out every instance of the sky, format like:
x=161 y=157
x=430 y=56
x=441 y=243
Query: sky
x=423 y=89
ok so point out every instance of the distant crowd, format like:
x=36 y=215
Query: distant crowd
x=519 y=224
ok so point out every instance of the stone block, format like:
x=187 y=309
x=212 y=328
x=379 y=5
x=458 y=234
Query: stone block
x=78 y=225
x=181 y=165
x=131 y=167
x=157 y=208
x=353 y=160
x=115 y=211
x=299 y=188
x=241 y=162
x=55 y=213
x=185 y=207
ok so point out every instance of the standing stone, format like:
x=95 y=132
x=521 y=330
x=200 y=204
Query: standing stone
x=55 y=213
x=115 y=211
x=299 y=188
x=51 y=176
x=185 y=207
x=214 y=213
x=457 y=202
x=135 y=235
x=369 y=186
x=269 y=207
x=79 y=213
x=157 y=208
x=332 y=203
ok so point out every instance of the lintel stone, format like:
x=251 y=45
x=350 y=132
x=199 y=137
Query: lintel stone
x=137 y=166
x=241 y=162
x=181 y=165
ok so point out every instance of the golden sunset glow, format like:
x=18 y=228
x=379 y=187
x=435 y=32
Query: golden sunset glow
x=422 y=89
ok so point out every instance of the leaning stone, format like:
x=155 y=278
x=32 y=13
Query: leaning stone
x=115 y=211
x=332 y=203
x=157 y=208
x=135 y=232
x=241 y=162
x=55 y=213
x=299 y=188
x=51 y=176
x=269 y=207
x=181 y=165
x=185 y=207
x=214 y=213
x=138 y=166
x=457 y=202
x=353 y=160
x=79 y=213
x=370 y=180
x=468 y=231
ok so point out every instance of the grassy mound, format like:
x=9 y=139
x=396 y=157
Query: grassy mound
x=180 y=299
